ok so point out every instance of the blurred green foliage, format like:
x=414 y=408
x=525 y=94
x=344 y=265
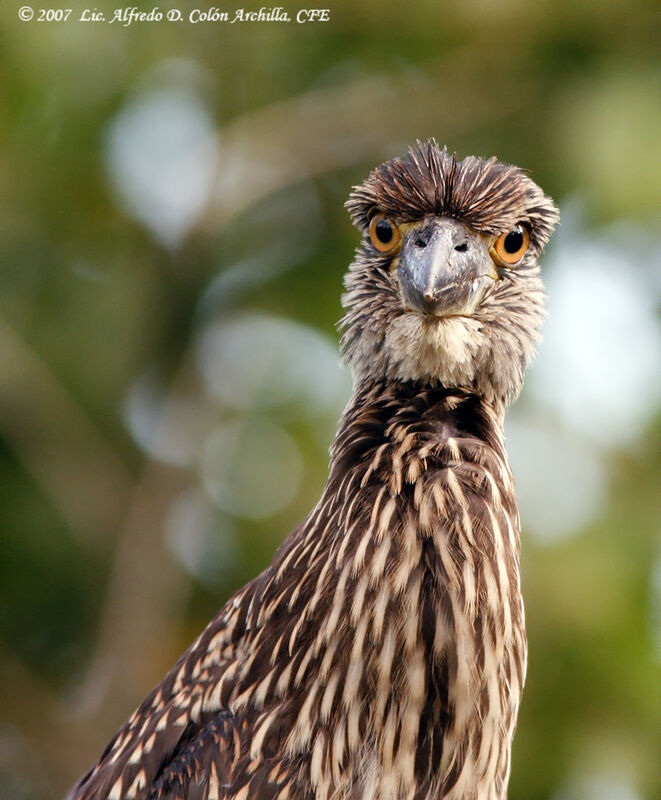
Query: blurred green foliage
x=99 y=588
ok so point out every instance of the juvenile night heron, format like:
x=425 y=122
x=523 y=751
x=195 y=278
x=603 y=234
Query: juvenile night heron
x=382 y=654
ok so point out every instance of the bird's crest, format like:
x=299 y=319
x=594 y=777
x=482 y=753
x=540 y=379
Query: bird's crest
x=484 y=193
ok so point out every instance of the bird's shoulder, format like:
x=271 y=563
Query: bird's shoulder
x=217 y=763
x=176 y=712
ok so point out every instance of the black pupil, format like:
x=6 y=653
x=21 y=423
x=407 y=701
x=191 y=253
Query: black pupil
x=383 y=230
x=513 y=242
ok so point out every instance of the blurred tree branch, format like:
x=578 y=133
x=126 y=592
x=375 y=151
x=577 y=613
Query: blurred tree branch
x=58 y=444
x=337 y=126
x=86 y=481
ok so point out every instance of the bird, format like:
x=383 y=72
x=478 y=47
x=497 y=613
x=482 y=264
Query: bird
x=382 y=653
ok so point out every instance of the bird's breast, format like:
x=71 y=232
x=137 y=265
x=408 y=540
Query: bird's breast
x=421 y=649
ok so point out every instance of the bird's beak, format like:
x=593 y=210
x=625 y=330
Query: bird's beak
x=444 y=268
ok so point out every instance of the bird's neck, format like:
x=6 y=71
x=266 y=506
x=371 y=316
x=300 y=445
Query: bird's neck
x=420 y=524
x=382 y=412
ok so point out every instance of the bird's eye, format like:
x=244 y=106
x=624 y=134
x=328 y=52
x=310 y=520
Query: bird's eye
x=384 y=234
x=509 y=248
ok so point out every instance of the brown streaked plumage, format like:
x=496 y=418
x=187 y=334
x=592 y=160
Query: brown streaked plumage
x=382 y=654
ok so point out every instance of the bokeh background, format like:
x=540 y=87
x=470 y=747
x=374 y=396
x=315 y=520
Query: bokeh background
x=172 y=245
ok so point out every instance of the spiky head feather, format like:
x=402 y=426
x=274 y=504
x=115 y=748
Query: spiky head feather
x=488 y=196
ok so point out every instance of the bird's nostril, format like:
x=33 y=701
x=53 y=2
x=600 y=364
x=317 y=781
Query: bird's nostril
x=461 y=248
